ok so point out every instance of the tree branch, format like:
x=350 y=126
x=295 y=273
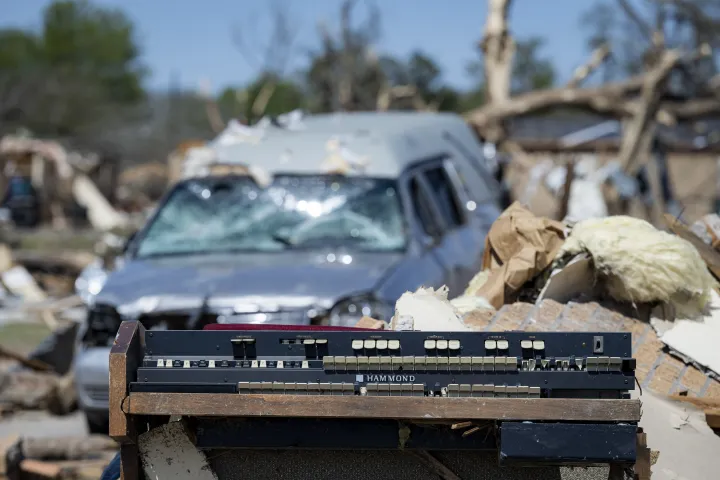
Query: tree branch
x=643 y=122
x=597 y=58
x=609 y=98
x=263 y=97
x=642 y=25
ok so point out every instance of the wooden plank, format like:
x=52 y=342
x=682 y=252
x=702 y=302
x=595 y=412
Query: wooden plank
x=33 y=364
x=642 y=463
x=39 y=468
x=125 y=357
x=442 y=471
x=616 y=472
x=76 y=469
x=130 y=462
x=410 y=408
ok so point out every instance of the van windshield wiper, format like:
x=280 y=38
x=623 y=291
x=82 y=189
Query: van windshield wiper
x=199 y=314
x=282 y=239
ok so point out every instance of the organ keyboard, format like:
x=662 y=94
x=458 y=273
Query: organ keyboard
x=388 y=363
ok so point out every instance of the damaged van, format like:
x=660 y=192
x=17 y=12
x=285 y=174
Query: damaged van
x=324 y=221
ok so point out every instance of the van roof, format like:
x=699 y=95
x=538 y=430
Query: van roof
x=388 y=142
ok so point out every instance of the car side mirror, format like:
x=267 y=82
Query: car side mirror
x=432 y=239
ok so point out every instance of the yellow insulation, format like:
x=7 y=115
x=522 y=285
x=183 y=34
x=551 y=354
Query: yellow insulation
x=638 y=263
x=477 y=281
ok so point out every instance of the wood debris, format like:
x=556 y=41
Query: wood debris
x=367 y=322
x=77 y=458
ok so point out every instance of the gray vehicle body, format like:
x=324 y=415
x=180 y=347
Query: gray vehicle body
x=300 y=287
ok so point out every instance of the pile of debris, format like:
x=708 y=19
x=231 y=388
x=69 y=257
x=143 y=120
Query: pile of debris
x=78 y=458
x=37 y=294
x=602 y=275
x=37 y=299
x=610 y=274
x=66 y=180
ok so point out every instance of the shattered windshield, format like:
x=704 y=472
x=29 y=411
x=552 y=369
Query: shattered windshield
x=235 y=214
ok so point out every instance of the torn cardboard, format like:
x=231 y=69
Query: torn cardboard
x=518 y=247
x=574 y=280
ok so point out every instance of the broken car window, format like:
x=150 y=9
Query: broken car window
x=234 y=214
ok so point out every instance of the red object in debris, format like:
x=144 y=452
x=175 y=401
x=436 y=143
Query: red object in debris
x=297 y=328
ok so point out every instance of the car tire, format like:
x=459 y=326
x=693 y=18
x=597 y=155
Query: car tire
x=97 y=424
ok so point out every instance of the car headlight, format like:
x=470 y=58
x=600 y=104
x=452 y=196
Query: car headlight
x=103 y=322
x=90 y=281
x=348 y=312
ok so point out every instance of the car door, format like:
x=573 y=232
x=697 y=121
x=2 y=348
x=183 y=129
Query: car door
x=431 y=269
x=421 y=266
x=475 y=221
x=481 y=192
x=456 y=246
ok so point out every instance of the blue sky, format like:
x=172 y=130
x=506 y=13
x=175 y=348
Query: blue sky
x=191 y=40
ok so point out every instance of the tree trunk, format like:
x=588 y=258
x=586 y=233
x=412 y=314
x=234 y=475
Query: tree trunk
x=498 y=48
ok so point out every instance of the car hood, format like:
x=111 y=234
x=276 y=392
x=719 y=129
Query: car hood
x=258 y=281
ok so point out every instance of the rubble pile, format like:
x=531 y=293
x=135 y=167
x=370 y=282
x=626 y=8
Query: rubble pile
x=605 y=275
x=37 y=300
x=78 y=458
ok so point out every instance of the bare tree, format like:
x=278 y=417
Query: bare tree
x=270 y=60
x=640 y=101
x=346 y=73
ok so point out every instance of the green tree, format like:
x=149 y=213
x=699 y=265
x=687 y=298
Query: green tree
x=530 y=70
x=96 y=43
x=238 y=103
x=426 y=76
x=421 y=72
x=345 y=74
x=79 y=73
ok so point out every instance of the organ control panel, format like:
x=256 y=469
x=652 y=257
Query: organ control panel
x=386 y=363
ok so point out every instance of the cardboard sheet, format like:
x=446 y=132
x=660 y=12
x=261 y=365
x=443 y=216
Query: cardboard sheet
x=518 y=247
x=696 y=341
